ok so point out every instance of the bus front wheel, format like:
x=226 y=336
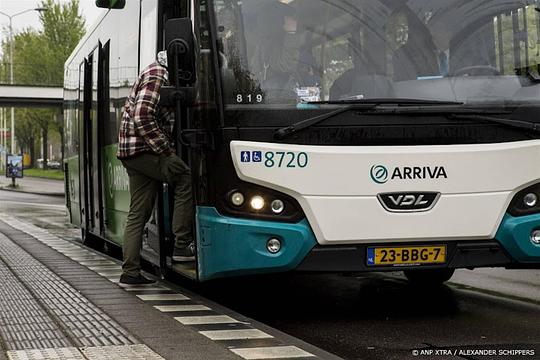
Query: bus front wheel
x=429 y=276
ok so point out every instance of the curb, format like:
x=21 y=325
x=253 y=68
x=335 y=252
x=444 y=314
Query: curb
x=58 y=194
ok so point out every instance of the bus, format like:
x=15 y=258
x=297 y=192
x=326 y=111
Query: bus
x=323 y=135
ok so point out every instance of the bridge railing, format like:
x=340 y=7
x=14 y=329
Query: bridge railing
x=30 y=74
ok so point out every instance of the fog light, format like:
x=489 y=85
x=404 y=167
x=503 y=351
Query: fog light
x=277 y=206
x=530 y=200
x=273 y=245
x=237 y=199
x=257 y=202
x=535 y=237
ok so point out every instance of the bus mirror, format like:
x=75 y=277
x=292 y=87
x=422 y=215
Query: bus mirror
x=180 y=43
x=111 y=4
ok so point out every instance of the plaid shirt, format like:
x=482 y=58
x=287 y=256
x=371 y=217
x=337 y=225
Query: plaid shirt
x=146 y=127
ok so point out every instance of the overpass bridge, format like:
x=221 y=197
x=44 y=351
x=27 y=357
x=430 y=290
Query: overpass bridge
x=31 y=96
x=25 y=96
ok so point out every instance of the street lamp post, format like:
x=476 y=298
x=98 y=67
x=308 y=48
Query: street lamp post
x=10 y=17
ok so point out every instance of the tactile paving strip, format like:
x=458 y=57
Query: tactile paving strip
x=120 y=352
x=132 y=352
x=67 y=353
x=84 y=322
x=24 y=324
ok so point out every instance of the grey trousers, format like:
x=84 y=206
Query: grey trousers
x=146 y=173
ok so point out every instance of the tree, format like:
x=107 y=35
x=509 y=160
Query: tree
x=26 y=132
x=39 y=58
x=63 y=28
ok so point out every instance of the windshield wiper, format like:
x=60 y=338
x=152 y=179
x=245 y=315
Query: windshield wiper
x=356 y=104
x=520 y=124
x=408 y=107
x=304 y=124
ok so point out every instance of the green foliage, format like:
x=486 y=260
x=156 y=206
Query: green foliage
x=63 y=28
x=39 y=57
x=46 y=174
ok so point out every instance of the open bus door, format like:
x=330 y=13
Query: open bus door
x=91 y=132
x=180 y=46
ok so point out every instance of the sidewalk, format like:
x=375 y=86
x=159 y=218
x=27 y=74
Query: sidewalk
x=33 y=185
x=55 y=308
x=62 y=301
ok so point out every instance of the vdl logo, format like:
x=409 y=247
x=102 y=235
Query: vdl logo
x=379 y=174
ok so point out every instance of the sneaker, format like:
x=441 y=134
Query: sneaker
x=185 y=253
x=135 y=280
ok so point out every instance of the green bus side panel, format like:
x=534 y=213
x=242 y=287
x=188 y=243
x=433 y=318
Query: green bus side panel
x=116 y=192
x=74 y=190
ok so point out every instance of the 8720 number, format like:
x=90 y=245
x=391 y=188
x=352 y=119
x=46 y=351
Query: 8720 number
x=285 y=159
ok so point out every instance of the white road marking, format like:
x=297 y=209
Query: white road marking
x=244 y=334
x=274 y=352
x=86 y=257
x=162 y=297
x=108 y=274
x=173 y=308
x=100 y=262
x=204 y=320
x=104 y=267
x=71 y=252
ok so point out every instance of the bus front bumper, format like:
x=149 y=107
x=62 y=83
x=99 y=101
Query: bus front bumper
x=231 y=246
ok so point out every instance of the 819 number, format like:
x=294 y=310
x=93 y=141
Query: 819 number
x=249 y=98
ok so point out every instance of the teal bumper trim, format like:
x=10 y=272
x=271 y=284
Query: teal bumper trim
x=230 y=246
x=514 y=235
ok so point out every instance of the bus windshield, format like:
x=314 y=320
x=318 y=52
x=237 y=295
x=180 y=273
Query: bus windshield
x=281 y=53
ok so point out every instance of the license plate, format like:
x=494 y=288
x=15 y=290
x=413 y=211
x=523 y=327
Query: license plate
x=406 y=256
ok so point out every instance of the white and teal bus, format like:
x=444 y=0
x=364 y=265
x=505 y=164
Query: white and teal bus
x=324 y=135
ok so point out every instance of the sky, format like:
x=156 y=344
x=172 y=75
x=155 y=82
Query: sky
x=88 y=10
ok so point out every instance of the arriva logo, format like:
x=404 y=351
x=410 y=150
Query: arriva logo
x=379 y=174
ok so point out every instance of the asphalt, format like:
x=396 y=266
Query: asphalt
x=37 y=186
x=381 y=316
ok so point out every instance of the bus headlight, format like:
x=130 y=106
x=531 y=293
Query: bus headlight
x=277 y=206
x=252 y=201
x=530 y=200
x=237 y=199
x=526 y=201
x=257 y=202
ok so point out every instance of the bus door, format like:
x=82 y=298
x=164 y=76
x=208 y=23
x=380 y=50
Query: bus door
x=93 y=136
x=83 y=114
x=182 y=76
